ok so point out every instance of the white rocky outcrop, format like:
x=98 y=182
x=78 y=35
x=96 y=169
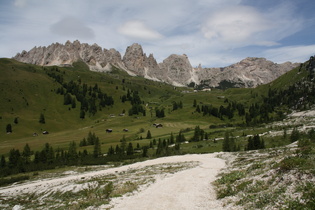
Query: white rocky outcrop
x=249 y=72
x=175 y=70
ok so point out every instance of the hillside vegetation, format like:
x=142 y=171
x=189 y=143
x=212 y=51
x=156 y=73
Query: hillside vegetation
x=71 y=104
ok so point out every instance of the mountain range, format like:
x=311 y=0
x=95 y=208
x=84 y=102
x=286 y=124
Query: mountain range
x=175 y=69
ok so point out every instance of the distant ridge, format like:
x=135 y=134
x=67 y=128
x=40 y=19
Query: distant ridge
x=175 y=70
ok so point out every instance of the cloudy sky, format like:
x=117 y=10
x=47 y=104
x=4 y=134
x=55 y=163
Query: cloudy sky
x=213 y=33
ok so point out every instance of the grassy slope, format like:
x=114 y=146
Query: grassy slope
x=23 y=84
x=27 y=91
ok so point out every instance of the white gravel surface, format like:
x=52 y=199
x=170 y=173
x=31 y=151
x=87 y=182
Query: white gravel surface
x=188 y=189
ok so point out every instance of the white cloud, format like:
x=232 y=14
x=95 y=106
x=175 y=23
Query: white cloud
x=240 y=26
x=234 y=24
x=20 y=3
x=290 y=53
x=72 y=27
x=138 y=30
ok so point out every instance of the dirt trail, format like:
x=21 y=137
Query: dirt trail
x=188 y=189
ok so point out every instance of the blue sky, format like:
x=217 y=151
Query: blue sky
x=213 y=33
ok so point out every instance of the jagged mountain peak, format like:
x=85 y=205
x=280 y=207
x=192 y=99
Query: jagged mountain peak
x=175 y=69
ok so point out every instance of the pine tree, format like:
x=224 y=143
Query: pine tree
x=295 y=135
x=73 y=103
x=2 y=162
x=226 y=143
x=111 y=151
x=42 y=119
x=198 y=109
x=72 y=151
x=206 y=136
x=97 y=148
x=82 y=114
x=27 y=154
x=9 y=128
x=123 y=145
x=130 y=149
x=256 y=140
x=145 y=151
x=172 y=139
x=148 y=135
x=14 y=157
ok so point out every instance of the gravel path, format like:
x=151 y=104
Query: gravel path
x=189 y=189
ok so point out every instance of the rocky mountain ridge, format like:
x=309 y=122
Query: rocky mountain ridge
x=175 y=70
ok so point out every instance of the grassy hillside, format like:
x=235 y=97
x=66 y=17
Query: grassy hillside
x=27 y=91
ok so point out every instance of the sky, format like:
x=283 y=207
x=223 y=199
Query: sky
x=213 y=33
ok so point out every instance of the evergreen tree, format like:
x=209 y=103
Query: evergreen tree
x=175 y=106
x=2 y=162
x=206 y=136
x=82 y=114
x=148 y=135
x=226 y=146
x=180 y=137
x=262 y=144
x=67 y=99
x=73 y=103
x=83 y=143
x=72 y=151
x=180 y=105
x=295 y=135
x=14 y=157
x=145 y=151
x=9 y=128
x=37 y=157
x=50 y=155
x=130 y=149
x=198 y=109
x=172 y=139
x=250 y=144
x=177 y=147
x=123 y=145
x=27 y=154
x=117 y=150
x=97 y=148
x=111 y=151
x=256 y=141
x=195 y=103
x=42 y=119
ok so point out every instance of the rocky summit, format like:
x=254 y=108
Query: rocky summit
x=175 y=70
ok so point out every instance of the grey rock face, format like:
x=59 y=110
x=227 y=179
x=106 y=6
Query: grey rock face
x=58 y=54
x=175 y=70
x=249 y=72
x=178 y=69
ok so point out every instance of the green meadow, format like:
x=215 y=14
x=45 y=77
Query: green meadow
x=27 y=91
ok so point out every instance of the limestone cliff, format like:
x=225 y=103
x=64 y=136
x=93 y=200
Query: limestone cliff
x=175 y=70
